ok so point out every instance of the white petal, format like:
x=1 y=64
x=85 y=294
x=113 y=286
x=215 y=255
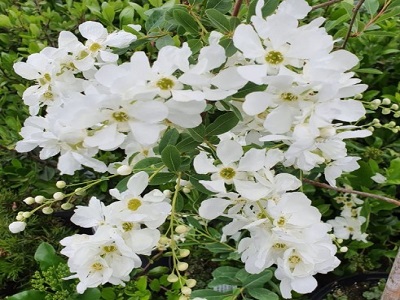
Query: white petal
x=247 y=40
x=253 y=160
x=137 y=183
x=257 y=102
x=251 y=190
x=203 y=165
x=213 y=208
x=253 y=73
x=216 y=186
x=93 y=31
x=229 y=151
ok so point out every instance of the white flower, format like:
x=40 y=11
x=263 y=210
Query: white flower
x=16 y=227
x=347 y=226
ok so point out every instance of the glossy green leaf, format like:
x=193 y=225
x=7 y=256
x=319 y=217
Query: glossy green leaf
x=46 y=256
x=28 y=295
x=222 y=124
x=186 y=21
x=171 y=157
x=218 y=19
x=262 y=294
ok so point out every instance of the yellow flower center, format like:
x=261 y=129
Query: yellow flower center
x=294 y=259
x=274 y=57
x=279 y=246
x=289 y=97
x=127 y=226
x=165 y=84
x=120 y=116
x=95 y=47
x=134 y=204
x=97 y=267
x=48 y=95
x=110 y=248
x=281 y=222
x=227 y=173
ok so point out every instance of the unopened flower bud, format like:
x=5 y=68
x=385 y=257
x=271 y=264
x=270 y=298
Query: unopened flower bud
x=26 y=214
x=164 y=240
x=186 y=190
x=358 y=96
x=386 y=101
x=394 y=107
x=29 y=200
x=339 y=241
x=385 y=111
x=61 y=184
x=39 y=199
x=124 y=170
x=58 y=196
x=370 y=128
x=167 y=193
x=376 y=102
x=67 y=206
x=183 y=297
x=47 y=210
x=181 y=229
x=184 y=252
x=19 y=218
x=191 y=282
x=16 y=227
x=395 y=130
x=80 y=191
x=182 y=266
x=343 y=249
x=376 y=121
x=186 y=290
x=172 y=278
x=391 y=124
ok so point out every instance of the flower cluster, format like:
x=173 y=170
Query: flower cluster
x=285 y=229
x=123 y=230
x=85 y=101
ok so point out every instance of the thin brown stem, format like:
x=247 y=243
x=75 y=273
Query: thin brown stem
x=236 y=8
x=329 y=3
x=353 y=19
x=343 y=190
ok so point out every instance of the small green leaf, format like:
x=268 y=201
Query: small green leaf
x=222 y=124
x=161 y=178
x=148 y=162
x=195 y=45
x=126 y=16
x=221 y=5
x=224 y=280
x=229 y=46
x=166 y=40
x=46 y=256
x=89 y=294
x=369 y=71
x=225 y=271
x=262 y=294
x=197 y=133
x=28 y=295
x=371 y=6
x=170 y=137
x=393 y=172
x=108 y=294
x=258 y=280
x=171 y=157
x=193 y=222
x=208 y=294
x=186 y=21
x=108 y=12
x=218 y=19
x=158 y=271
x=187 y=144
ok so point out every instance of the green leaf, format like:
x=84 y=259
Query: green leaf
x=208 y=294
x=158 y=271
x=108 y=294
x=170 y=137
x=393 y=172
x=148 y=162
x=126 y=16
x=221 y=5
x=225 y=271
x=222 y=124
x=28 y=295
x=258 y=280
x=186 y=21
x=369 y=71
x=187 y=144
x=262 y=294
x=108 y=12
x=5 y=21
x=269 y=7
x=224 y=280
x=229 y=46
x=166 y=40
x=193 y=222
x=371 y=6
x=46 y=256
x=195 y=45
x=218 y=19
x=89 y=294
x=161 y=178
x=171 y=157
x=197 y=133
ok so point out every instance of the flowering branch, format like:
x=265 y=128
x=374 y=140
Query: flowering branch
x=353 y=19
x=325 y=4
x=343 y=190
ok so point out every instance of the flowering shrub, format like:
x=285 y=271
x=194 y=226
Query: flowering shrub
x=225 y=126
